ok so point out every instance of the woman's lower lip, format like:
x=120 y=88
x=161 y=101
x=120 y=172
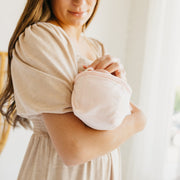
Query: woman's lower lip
x=78 y=14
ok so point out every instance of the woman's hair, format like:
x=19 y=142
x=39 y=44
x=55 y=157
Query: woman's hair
x=34 y=11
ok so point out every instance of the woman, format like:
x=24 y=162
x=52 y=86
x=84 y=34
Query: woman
x=46 y=51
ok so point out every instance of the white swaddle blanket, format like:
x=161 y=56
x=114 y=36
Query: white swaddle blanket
x=100 y=99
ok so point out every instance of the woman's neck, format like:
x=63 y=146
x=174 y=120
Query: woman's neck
x=73 y=32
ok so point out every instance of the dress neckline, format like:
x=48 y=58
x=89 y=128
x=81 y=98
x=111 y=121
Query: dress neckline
x=78 y=55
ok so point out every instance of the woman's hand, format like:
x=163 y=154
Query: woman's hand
x=109 y=64
x=139 y=119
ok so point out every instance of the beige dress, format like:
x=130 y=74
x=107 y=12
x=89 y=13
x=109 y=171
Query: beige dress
x=43 y=67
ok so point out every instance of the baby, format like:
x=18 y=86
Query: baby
x=101 y=100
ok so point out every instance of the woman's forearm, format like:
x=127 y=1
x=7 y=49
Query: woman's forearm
x=96 y=143
x=76 y=143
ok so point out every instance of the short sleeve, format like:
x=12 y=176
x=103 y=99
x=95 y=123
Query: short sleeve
x=43 y=69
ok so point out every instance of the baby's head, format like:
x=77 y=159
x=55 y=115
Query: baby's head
x=100 y=99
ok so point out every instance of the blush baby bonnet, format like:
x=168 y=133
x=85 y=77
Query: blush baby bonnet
x=100 y=99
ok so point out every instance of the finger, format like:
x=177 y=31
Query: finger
x=113 y=67
x=95 y=63
x=118 y=73
x=134 y=107
x=104 y=62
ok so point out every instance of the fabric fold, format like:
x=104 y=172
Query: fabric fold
x=43 y=69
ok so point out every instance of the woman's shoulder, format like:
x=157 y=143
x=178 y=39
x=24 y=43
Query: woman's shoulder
x=42 y=38
x=43 y=31
x=42 y=42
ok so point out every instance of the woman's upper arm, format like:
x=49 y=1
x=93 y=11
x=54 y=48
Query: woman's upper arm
x=65 y=131
x=42 y=69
